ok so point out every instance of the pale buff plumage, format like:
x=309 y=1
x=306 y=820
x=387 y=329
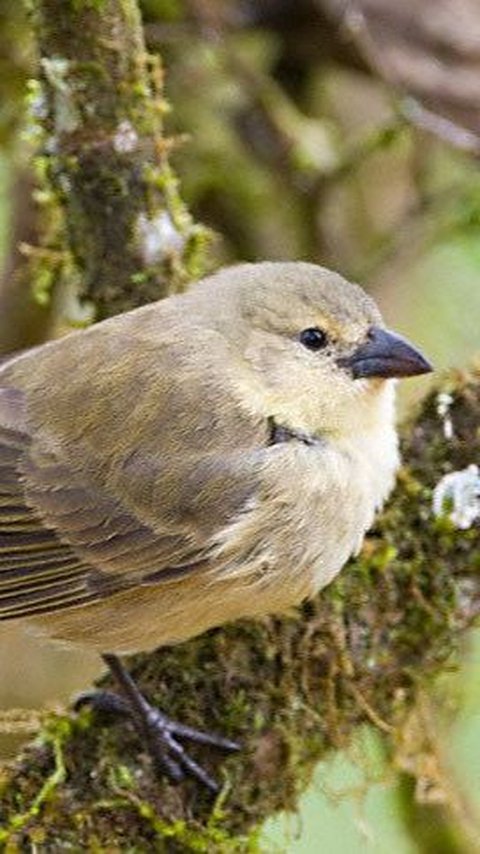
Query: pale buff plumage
x=142 y=500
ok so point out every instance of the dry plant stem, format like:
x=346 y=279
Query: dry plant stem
x=130 y=235
x=429 y=54
x=292 y=689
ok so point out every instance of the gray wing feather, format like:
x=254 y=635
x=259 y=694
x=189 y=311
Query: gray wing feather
x=66 y=543
x=59 y=544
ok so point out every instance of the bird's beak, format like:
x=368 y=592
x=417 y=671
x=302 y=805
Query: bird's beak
x=385 y=354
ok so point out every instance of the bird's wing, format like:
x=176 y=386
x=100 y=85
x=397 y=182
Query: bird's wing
x=38 y=571
x=73 y=532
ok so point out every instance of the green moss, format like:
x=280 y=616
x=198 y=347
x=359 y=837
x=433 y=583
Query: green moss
x=54 y=736
x=78 y=5
x=196 y=251
x=163 y=10
x=106 y=165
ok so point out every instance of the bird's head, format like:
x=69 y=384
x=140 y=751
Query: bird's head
x=314 y=350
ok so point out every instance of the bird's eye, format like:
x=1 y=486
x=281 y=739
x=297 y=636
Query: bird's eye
x=313 y=338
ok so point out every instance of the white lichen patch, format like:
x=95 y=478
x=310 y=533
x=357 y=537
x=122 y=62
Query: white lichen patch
x=158 y=238
x=56 y=69
x=457 y=495
x=38 y=103
x=444 y=403
x=125 y=138
x=57 y=74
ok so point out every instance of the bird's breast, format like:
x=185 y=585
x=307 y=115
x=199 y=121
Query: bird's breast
x=310 y=515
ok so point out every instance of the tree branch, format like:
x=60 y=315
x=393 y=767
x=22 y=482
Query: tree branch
x=131 y=237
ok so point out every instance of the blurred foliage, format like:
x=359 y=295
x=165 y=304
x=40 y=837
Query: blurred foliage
x=287 y=153
x=327 y=168
x=15 y=68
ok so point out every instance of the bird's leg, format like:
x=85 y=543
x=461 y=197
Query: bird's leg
x=163 y=736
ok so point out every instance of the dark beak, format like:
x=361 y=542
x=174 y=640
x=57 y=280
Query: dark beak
x=385 y=354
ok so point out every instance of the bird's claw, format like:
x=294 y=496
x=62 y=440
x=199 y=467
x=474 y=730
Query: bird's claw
x=163 y=736
x=103 y=702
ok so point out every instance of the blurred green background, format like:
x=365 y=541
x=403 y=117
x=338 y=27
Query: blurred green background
x=289 y=144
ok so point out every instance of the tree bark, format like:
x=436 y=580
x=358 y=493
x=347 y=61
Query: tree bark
x=131 y=238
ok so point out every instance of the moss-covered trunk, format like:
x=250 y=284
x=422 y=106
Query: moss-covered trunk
x=291 y=688
x=131 y=238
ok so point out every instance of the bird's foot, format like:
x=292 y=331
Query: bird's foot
x=103 y=703
x=163 y=736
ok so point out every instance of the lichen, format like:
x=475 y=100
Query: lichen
x=126 y=138
x=444 y=403
x=101 y=108
x=291 y=688
x=158 y=238
x=57 y=73
x=458 y=495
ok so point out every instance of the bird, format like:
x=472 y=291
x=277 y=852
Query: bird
x=215 y=455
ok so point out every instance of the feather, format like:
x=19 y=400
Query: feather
x=69 y=538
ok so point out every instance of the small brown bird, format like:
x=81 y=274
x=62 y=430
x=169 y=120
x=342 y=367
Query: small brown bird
x=215 y=455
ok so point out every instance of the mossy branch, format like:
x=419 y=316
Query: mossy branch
x=292 y=688
x=130 y=235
